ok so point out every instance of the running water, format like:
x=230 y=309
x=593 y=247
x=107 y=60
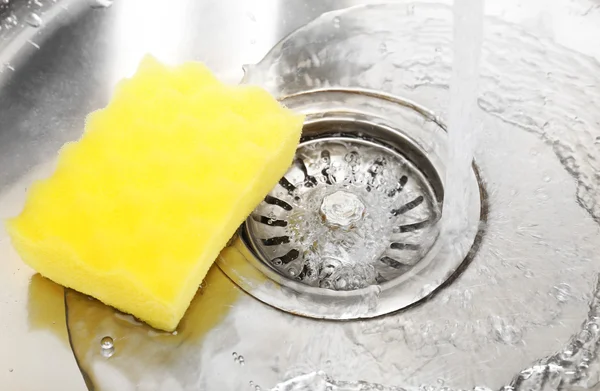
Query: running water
x=464 y=82
x=575 y=366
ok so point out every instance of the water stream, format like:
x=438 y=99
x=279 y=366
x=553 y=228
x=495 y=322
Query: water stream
x=464 y=83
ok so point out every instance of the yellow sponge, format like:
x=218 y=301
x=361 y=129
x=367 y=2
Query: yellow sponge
x=139 y=208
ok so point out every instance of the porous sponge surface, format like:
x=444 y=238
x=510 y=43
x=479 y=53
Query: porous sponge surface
x=139 y=208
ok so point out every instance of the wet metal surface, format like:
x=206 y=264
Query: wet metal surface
x=522 y=299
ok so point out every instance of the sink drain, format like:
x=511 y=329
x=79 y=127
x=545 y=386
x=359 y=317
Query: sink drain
x=352 y=229
x=349 y=214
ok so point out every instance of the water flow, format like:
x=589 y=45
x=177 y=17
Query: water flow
x=468 y=31
x=574 y=367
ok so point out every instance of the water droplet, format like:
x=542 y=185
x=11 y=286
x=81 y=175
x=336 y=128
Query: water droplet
x=251 y=16
x=252 y=41
x=234 y=355
x=4 y=1
x=10 y=369
x=257 y=388
x=529 y=274
x=292 y=272
x=107 y=347
x=174 y=332
x=547 y=178
x=383 y=48
x=597 y=140
x=241 y=360
x=102 y=3
x=33 y=20
x=336 y=22
x=251 y=383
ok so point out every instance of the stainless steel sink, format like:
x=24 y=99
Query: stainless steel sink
x=516 y=307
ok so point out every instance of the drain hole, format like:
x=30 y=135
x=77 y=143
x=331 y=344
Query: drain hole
x=401 y=183
x=412 y=227
x=276 y=241
x=391 y=262
x=309 y=180
x=287 y=258
x=276 y=201
x=408 y=206
x=268 y=221
x=287 y=185
x=405 y=246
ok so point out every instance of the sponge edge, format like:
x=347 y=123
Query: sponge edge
x=139 y=208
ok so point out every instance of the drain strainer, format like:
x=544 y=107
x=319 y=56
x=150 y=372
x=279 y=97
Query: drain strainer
x=347 y=215
x=352 y=229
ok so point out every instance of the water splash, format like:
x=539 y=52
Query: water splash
x=576 y=366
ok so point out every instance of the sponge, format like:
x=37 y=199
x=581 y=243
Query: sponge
x=139 y=208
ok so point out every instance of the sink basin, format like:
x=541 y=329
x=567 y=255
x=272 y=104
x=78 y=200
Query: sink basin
x=513 y=304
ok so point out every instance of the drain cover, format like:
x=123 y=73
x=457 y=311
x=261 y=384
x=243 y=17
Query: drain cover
x=347 y=215
x=352 y=229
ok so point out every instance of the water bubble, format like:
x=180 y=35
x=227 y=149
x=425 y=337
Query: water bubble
x=251 y=16
x=547 y=178
x=33 y=20
x=234 y=355
x=292 y=272
x=107 y=347
x=597 y=140
x=102 y=3
x=383 y=48
x=10 y=369
x=4 y=1
x=252 y=41
x=336 y=22
x=257 y=388
x=241 y=360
